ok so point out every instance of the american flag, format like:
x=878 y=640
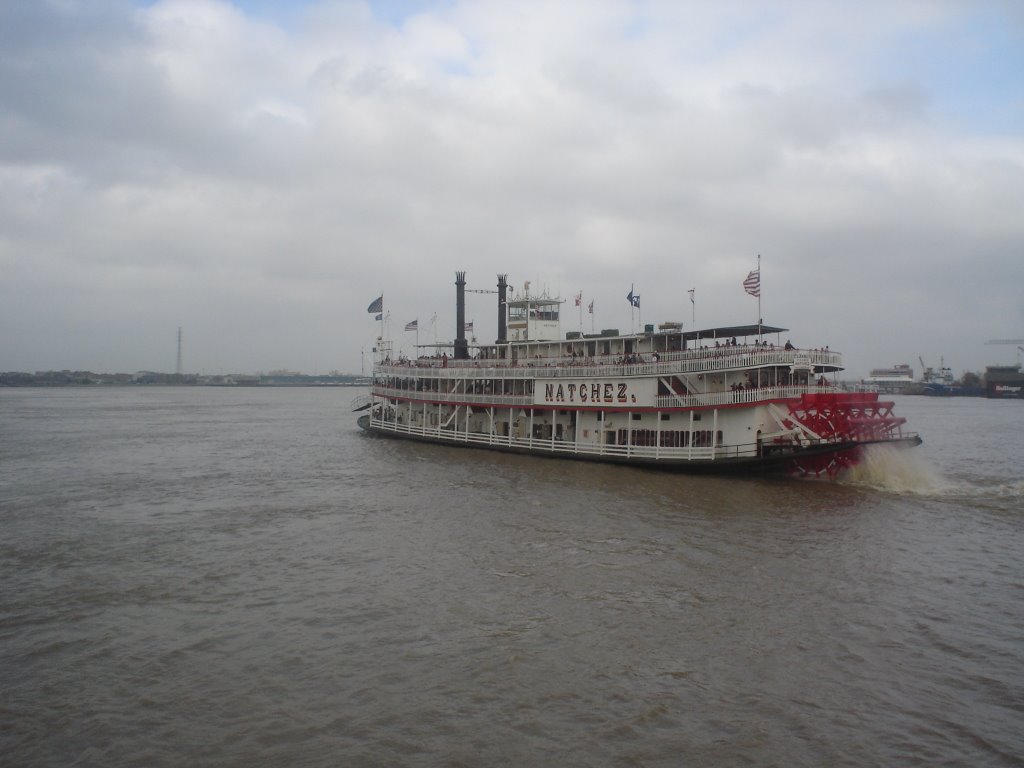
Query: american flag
x=377 y=305
x=468 y=327
x=579 y=298
x=415 y=324
x=752 y=284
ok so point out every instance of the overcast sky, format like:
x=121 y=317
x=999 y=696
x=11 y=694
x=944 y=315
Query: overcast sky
x=258 y=172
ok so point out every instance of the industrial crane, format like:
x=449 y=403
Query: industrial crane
x=1016 y=342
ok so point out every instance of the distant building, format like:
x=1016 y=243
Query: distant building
x=891 y=380
x=1004 y=381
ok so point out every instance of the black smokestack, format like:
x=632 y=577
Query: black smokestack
x=461 y=345
x=502 y=309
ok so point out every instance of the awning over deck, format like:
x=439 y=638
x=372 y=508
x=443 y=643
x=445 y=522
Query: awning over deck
x=729 y=331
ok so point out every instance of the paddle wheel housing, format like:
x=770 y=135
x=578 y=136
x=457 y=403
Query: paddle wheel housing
x=841 y=418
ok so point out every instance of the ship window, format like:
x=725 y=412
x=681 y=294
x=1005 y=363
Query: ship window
x=666 y=417
x=702 y=438
x=696 y=417
x=674 y=439
x=636 y=416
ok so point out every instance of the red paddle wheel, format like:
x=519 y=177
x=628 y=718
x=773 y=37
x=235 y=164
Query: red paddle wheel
x=842 y=418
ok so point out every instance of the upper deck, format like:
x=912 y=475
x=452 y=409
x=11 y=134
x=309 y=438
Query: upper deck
x=729 y=358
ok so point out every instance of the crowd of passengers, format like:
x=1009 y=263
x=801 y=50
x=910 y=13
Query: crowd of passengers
x=785 y=380
x=581 y=360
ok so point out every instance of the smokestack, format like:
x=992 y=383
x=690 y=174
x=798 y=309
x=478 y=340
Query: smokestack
x=461 y=345
x=502 y=309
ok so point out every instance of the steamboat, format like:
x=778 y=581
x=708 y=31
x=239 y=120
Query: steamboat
x=720 y=399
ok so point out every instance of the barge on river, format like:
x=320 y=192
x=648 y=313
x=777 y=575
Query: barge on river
x=712 y=400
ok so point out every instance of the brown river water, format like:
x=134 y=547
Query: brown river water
x=239 y=577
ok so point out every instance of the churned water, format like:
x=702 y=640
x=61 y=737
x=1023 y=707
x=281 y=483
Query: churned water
x=239 y=577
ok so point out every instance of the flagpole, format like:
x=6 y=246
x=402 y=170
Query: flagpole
x=760 y=316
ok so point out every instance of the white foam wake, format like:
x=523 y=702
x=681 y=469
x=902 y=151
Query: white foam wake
x=897 y=470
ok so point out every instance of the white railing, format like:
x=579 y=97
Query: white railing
x=454 y=397
x=711 y=399
x=538 y=444
x=568 y=448
x=696 y=361
x=740 y=396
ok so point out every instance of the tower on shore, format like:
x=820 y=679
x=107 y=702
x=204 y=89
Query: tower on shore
x=177 y=368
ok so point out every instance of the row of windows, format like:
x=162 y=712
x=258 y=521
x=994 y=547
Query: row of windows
x=664 y=416
x=670 y=438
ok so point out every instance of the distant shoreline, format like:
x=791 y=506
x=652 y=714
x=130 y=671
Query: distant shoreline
x=149 y=378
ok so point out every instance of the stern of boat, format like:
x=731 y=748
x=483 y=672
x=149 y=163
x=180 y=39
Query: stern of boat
x=847 y=421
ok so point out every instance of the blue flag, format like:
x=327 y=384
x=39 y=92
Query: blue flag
x=377 y=305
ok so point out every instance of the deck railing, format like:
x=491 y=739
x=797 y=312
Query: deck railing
x=711 y=399
x=740 y=396
x=554 y=445
x=695 y=361
x=455 y=397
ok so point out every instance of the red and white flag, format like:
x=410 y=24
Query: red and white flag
x=752 y=284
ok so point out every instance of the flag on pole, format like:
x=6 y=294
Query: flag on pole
x=692 y=301
x=413 y=326
x=377 y=305
x=632 y=298
x=590 y=309
x=752 y=284
x=468 y=327
x=579 y=299
x=379 y=317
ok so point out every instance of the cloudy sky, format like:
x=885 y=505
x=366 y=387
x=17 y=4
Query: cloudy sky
x=258 y=172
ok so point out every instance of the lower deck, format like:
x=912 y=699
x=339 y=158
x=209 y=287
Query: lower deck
x=748 y=433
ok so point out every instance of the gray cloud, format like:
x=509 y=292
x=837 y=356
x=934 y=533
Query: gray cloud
x=181 y=163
